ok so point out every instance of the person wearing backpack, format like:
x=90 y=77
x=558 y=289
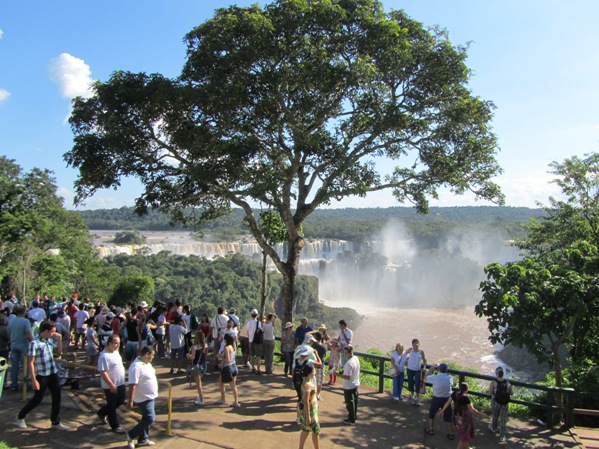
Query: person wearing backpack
x=501 y=391
x=306 y=356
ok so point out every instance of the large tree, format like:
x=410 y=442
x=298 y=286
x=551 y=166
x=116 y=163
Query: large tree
x=290 y=106
x=549 y=301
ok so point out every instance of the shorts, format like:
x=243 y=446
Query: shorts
x=244 y=343
x=91 y=350
x=178 y=353
x=256 y=349
x=130 y=350
x=80 y=331
x=437 y=404
x=319 y=376
x=228 y=373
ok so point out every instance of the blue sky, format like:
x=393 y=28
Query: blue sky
x=537 y=60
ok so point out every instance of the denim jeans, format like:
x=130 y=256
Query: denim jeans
x=148 y=416
x=51 y=382
x=288 y=362
x=113 y=401
x=351 y=403
x=16 y=357
x=398 y=385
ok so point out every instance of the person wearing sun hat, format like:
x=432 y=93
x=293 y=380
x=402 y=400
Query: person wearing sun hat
x=288 y=347
x=325 y=335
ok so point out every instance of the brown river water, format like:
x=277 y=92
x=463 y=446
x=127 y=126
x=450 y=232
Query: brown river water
x=457 y=336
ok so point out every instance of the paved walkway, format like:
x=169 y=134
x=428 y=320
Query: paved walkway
x=266 y=420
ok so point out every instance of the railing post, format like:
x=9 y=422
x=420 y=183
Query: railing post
x=25 y=364
x=550 y=407
x=382 y=375
x=570 y=404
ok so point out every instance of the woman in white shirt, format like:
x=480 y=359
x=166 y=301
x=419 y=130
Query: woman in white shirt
x=268 y=342
x=398 y=358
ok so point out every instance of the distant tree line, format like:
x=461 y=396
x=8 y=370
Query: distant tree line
x=356 y=225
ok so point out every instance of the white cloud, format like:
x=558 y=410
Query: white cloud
x=4 y=94
x=1 y=33
x=72 y=75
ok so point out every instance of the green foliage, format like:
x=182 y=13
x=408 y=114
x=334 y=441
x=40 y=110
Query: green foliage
x=550 y=300
x=129 y=238
x=133 y=288
x=43 y=247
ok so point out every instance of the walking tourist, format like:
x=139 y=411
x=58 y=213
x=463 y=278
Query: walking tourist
x=309 y=409
x=44 y=374
x=143 y=391
x=112 y=378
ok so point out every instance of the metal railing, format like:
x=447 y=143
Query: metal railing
x=551 y=408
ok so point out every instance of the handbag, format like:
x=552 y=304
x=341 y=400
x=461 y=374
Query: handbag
x=393 y=372
x=150 y=339
x=422 y=387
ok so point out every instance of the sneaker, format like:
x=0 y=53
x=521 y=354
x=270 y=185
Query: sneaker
x=147 y=443
x=119 y=430
x=347 y=422
x=396 y=398
x=130 y=443
x=21 y=424
x=104 y=419
x=319 y=398
x=59 y=426
x=198 y=402
x=401 y=398
x=248 y=366
x=416 y=403
x=503 y=440
x=219 y=402
x=491 y=428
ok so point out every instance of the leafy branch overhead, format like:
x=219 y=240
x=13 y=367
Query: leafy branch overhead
x=293 y=105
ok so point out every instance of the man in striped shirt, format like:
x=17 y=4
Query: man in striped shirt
x=44 y=374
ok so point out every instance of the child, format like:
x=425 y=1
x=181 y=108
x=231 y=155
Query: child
x=416 y=360
x=334 y=347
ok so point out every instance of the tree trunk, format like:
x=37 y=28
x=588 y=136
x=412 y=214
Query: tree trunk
x=559 y=397
x=263 y=293
x=289 y=276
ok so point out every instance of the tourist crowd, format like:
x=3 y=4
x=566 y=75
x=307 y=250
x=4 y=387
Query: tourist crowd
x=119 y=338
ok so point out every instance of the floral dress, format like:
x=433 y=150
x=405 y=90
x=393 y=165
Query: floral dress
x=314 y=426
